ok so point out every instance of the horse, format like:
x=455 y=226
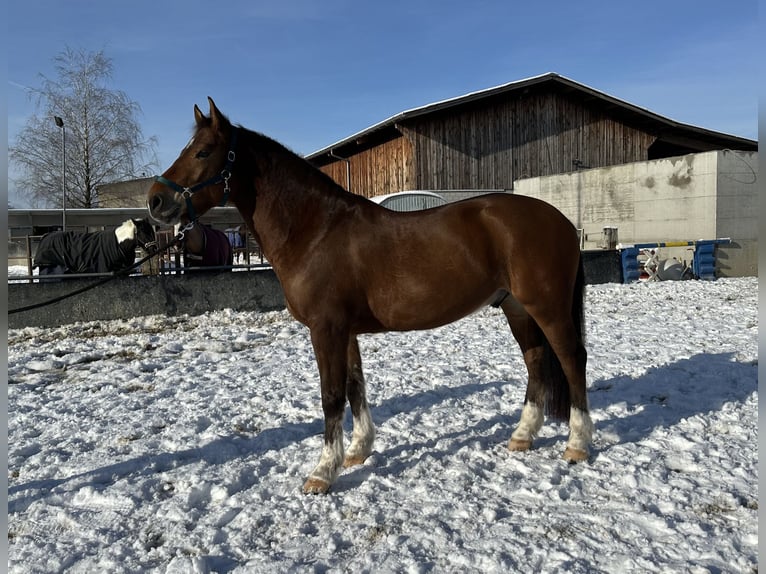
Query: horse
x=69 y=252
x=348 y=266
x=204 y=246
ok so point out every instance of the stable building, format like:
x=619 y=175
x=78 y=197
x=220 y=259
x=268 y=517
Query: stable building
x=604 y=162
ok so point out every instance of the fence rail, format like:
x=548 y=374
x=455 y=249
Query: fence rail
x=27 y=226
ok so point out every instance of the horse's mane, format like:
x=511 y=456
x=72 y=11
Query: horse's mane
x=286 y=160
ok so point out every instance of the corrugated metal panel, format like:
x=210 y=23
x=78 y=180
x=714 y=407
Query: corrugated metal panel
x=409 y=201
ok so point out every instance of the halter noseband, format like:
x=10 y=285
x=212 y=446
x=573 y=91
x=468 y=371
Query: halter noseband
x=224 y=176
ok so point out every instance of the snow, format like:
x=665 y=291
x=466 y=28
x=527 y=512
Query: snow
x=180 y=444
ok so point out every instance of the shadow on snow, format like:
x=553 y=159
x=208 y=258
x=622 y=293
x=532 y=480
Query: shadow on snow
x=661 y=397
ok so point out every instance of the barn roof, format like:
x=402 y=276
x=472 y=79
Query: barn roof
x=631 y=114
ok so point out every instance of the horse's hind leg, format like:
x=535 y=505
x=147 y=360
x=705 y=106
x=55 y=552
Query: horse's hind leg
x=363 y=434
x=530 y=338
x=565 y=379
x=555 y=359
x=572 y=355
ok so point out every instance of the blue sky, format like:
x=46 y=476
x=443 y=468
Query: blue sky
x=310 y=73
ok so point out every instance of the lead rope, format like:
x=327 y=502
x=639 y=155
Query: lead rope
x=121 y=273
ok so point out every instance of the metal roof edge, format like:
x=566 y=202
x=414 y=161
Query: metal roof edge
x=420 y=110
x=517 y=84
x=649 y=113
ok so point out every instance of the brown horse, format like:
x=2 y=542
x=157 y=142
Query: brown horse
x=204 y=246
x=349 y=266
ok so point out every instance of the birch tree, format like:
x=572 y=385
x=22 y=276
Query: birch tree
x=83 y=133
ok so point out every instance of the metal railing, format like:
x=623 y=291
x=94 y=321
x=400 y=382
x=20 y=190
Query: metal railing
x=247 y=256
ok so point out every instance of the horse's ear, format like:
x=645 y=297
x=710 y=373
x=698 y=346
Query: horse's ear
x=215 y=115
x=199 y=117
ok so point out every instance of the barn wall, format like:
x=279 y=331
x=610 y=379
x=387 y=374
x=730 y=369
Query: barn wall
x=737 y=193
x=131 y=193
x=381 y=170
x=737 y=182
x=469 y=150
x=490 y=146
x=697 y=196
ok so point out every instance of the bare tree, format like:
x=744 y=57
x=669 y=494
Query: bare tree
x=96 y=125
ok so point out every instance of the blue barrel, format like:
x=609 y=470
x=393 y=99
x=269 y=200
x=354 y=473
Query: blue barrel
x=630 y=272
x=703 y=264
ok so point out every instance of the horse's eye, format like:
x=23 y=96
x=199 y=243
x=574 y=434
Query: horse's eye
x=202 y=154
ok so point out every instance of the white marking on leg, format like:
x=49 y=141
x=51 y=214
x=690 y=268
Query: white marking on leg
x=331 y=459
x=530 y=423
x=580 y=430
x=362 y=437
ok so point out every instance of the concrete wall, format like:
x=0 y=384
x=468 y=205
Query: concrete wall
x=698 y=196
x=191 y=294
x=736 y=212
x=127 y=297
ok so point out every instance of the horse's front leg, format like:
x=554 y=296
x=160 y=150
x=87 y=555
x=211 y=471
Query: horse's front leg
x=330 y=346
x=364 y=430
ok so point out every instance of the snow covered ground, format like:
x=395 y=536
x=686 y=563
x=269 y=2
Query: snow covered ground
x=180 y=444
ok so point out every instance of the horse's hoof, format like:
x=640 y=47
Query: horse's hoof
x=353 y=461
x=573 y=455
x=517 y=445
x=316 y=486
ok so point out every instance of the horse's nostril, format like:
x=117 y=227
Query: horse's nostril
x=155 y=204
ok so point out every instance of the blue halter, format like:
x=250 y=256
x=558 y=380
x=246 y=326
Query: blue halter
x=224 y=176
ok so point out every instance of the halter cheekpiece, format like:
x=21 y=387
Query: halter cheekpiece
x=223 y=176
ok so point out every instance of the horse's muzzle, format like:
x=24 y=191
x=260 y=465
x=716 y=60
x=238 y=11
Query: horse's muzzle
x=164 y=208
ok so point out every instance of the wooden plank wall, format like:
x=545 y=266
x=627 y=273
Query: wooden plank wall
x=383 y=169
x=491 y=146
x=488 y=145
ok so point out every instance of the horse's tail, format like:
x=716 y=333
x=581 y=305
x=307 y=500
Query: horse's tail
x=558 y=401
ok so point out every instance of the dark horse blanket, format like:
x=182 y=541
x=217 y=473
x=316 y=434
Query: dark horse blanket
x=216 y=251
x=96 y=252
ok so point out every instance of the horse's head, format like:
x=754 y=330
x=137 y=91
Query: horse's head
x=135 y=232
x=198 y=179
x=144 y=233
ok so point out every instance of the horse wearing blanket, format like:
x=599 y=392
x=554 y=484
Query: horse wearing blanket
x=68 y=252
x=349 y=266
x=205 y=246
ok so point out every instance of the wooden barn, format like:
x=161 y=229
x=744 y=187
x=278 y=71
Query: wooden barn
x=486 y=140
